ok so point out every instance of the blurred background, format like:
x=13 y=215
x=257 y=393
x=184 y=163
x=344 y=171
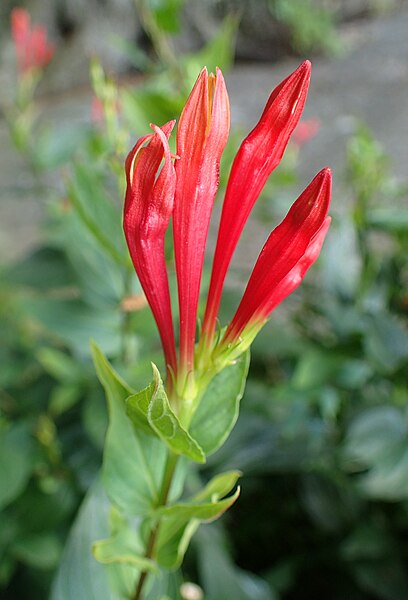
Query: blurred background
x=322 y=438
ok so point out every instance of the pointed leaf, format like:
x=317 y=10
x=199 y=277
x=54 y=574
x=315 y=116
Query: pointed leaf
x=180 y=521
x=206 y=505
x=122 y=548
x=218 y=486
x=174 y=539
x=152 y=402
x=79 y=574
x=218 y=410
x=133 y=462
x=206 y=511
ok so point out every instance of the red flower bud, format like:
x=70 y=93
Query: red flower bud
x=148 y=208
x=259 y=154
x=290 y=250
x=201 y=137
x=32 y=48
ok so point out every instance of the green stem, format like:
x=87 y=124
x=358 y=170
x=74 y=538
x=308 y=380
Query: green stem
x=160 y=41
x=162 y=500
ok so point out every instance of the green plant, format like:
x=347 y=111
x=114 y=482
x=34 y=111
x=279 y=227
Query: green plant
x=310 y=28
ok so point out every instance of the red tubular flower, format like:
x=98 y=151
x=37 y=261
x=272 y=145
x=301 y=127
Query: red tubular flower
x=258 y=155
x=186 y=191
x=290 y=250
x=148 y=208
x=32 y=48
x=201 y=137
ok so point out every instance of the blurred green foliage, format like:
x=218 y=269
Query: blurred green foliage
x=323 y=433
x=311 y=28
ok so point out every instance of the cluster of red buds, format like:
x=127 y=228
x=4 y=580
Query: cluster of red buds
x=161 y=186
x=33 y=50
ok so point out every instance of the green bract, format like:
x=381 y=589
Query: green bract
x=152 y=404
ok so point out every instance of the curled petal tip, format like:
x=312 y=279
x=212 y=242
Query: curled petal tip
x=167 y=128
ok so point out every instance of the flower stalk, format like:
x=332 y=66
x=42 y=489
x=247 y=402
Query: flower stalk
x=168 y=476
x=161 y=186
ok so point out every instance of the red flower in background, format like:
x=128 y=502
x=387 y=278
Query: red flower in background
x=32 y=47
x=305 y=131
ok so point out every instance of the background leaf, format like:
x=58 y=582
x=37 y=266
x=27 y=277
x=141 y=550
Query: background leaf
x=80 y=576
x=16 y=460
x=220 y=578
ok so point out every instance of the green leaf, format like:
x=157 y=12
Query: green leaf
x=219 y=577
x=74 y=323
x=100 y=279
x=166 y=586
x=153 y=404
x=206 y=504
x=56 y=145
x=218 y=410
x=315 y=368
x=167 y=14
x=95 y=418
x=16 y=461
x=97 y=212
x=341 y=263
x=390 y=219
x=218 y=486
x=59 y=365
x=203 y=511
x=144 y=105
x=377 y=443
x=42 y=551
x=133 y=462
x=123 y=547
x=62 y=398
x=180 y=521
x=119 y=549
x=218 y=52
x=80 y=576
x=173 y=541
x=43 y=269
x=386 y=341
